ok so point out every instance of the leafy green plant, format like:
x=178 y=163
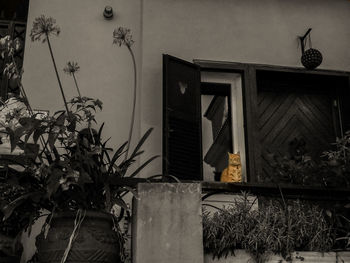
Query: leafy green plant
x=337 y=165
x=273 y=228
x=289 y=171
x=227 y=228
x=333 y=169
x=73 y=168
x=339 y=216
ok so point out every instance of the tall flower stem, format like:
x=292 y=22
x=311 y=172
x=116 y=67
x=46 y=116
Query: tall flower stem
x=134 y=102
x=76 y=85
x=79 y=94
x=58 y=77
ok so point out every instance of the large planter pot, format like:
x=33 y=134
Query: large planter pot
x=95 y=242
x=343 y=257
x=241 y=256
x=9 y=259
x=7 y=253
x=311 y=256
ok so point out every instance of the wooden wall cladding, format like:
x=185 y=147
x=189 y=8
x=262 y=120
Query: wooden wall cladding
x=297 y=107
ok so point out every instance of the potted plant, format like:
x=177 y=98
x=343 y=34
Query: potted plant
x=332 y=170
x=70 y=176
x=10 y=230
x=277 y=231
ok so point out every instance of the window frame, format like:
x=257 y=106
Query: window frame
x=248 y=72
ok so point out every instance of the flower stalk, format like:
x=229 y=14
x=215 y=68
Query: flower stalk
x=122 y=36
x=76 y=85
x=57 y=75
x=72 y=68
x=134 y=102
x=44 y=27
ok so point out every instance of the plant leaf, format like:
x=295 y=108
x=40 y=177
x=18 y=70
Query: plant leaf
x=141 y=142
x=143 y=166
x=115 y=157
x=8 y=209
x=120 y=202
x=99 y=133
x=128 y=189
x=53 y=181
x=37 y=133
x=52 y=139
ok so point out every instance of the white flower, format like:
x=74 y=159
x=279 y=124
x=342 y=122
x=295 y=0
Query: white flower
x=10 y=113
x=6 y=46
x=122 y=36
x=44 y=27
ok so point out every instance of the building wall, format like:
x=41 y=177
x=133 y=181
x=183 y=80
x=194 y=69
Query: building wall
x=105 y=69
x=229 y=30
x=251 y=31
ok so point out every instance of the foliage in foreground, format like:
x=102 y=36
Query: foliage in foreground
x=70 y=166
x=332 y=170
x=275 y=228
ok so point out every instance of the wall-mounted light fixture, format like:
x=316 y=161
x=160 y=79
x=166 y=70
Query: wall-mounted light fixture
x=310 y=58
x=108 y=12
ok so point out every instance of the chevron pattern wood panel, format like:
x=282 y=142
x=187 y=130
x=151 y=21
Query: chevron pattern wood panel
x=284 y=116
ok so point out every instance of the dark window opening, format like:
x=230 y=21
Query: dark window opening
x=217 y=138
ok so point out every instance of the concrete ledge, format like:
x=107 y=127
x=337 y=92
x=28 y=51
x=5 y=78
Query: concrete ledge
x=167 y=223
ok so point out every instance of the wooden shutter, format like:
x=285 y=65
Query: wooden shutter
x=182 y=145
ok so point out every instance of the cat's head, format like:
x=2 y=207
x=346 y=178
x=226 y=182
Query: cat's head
x=234 y=158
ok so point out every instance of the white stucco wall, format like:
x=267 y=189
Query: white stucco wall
x=251 y=31
x=105 y=69
x=230 y=30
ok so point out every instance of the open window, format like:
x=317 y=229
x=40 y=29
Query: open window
x=222 y=122
x=257 y=110
x=203 y=120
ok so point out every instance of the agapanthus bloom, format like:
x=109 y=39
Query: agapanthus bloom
x=122 y=36
x=71 y=67
x=43 y=26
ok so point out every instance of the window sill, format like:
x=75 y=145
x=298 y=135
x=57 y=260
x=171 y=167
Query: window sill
x=270 y=189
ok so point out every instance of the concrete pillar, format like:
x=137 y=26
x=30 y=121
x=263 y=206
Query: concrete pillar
x=168 y=223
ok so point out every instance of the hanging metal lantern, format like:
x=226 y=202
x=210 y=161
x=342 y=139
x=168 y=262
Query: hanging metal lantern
x=310 y=58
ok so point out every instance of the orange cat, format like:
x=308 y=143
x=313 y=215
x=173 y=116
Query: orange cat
x=233 y=172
